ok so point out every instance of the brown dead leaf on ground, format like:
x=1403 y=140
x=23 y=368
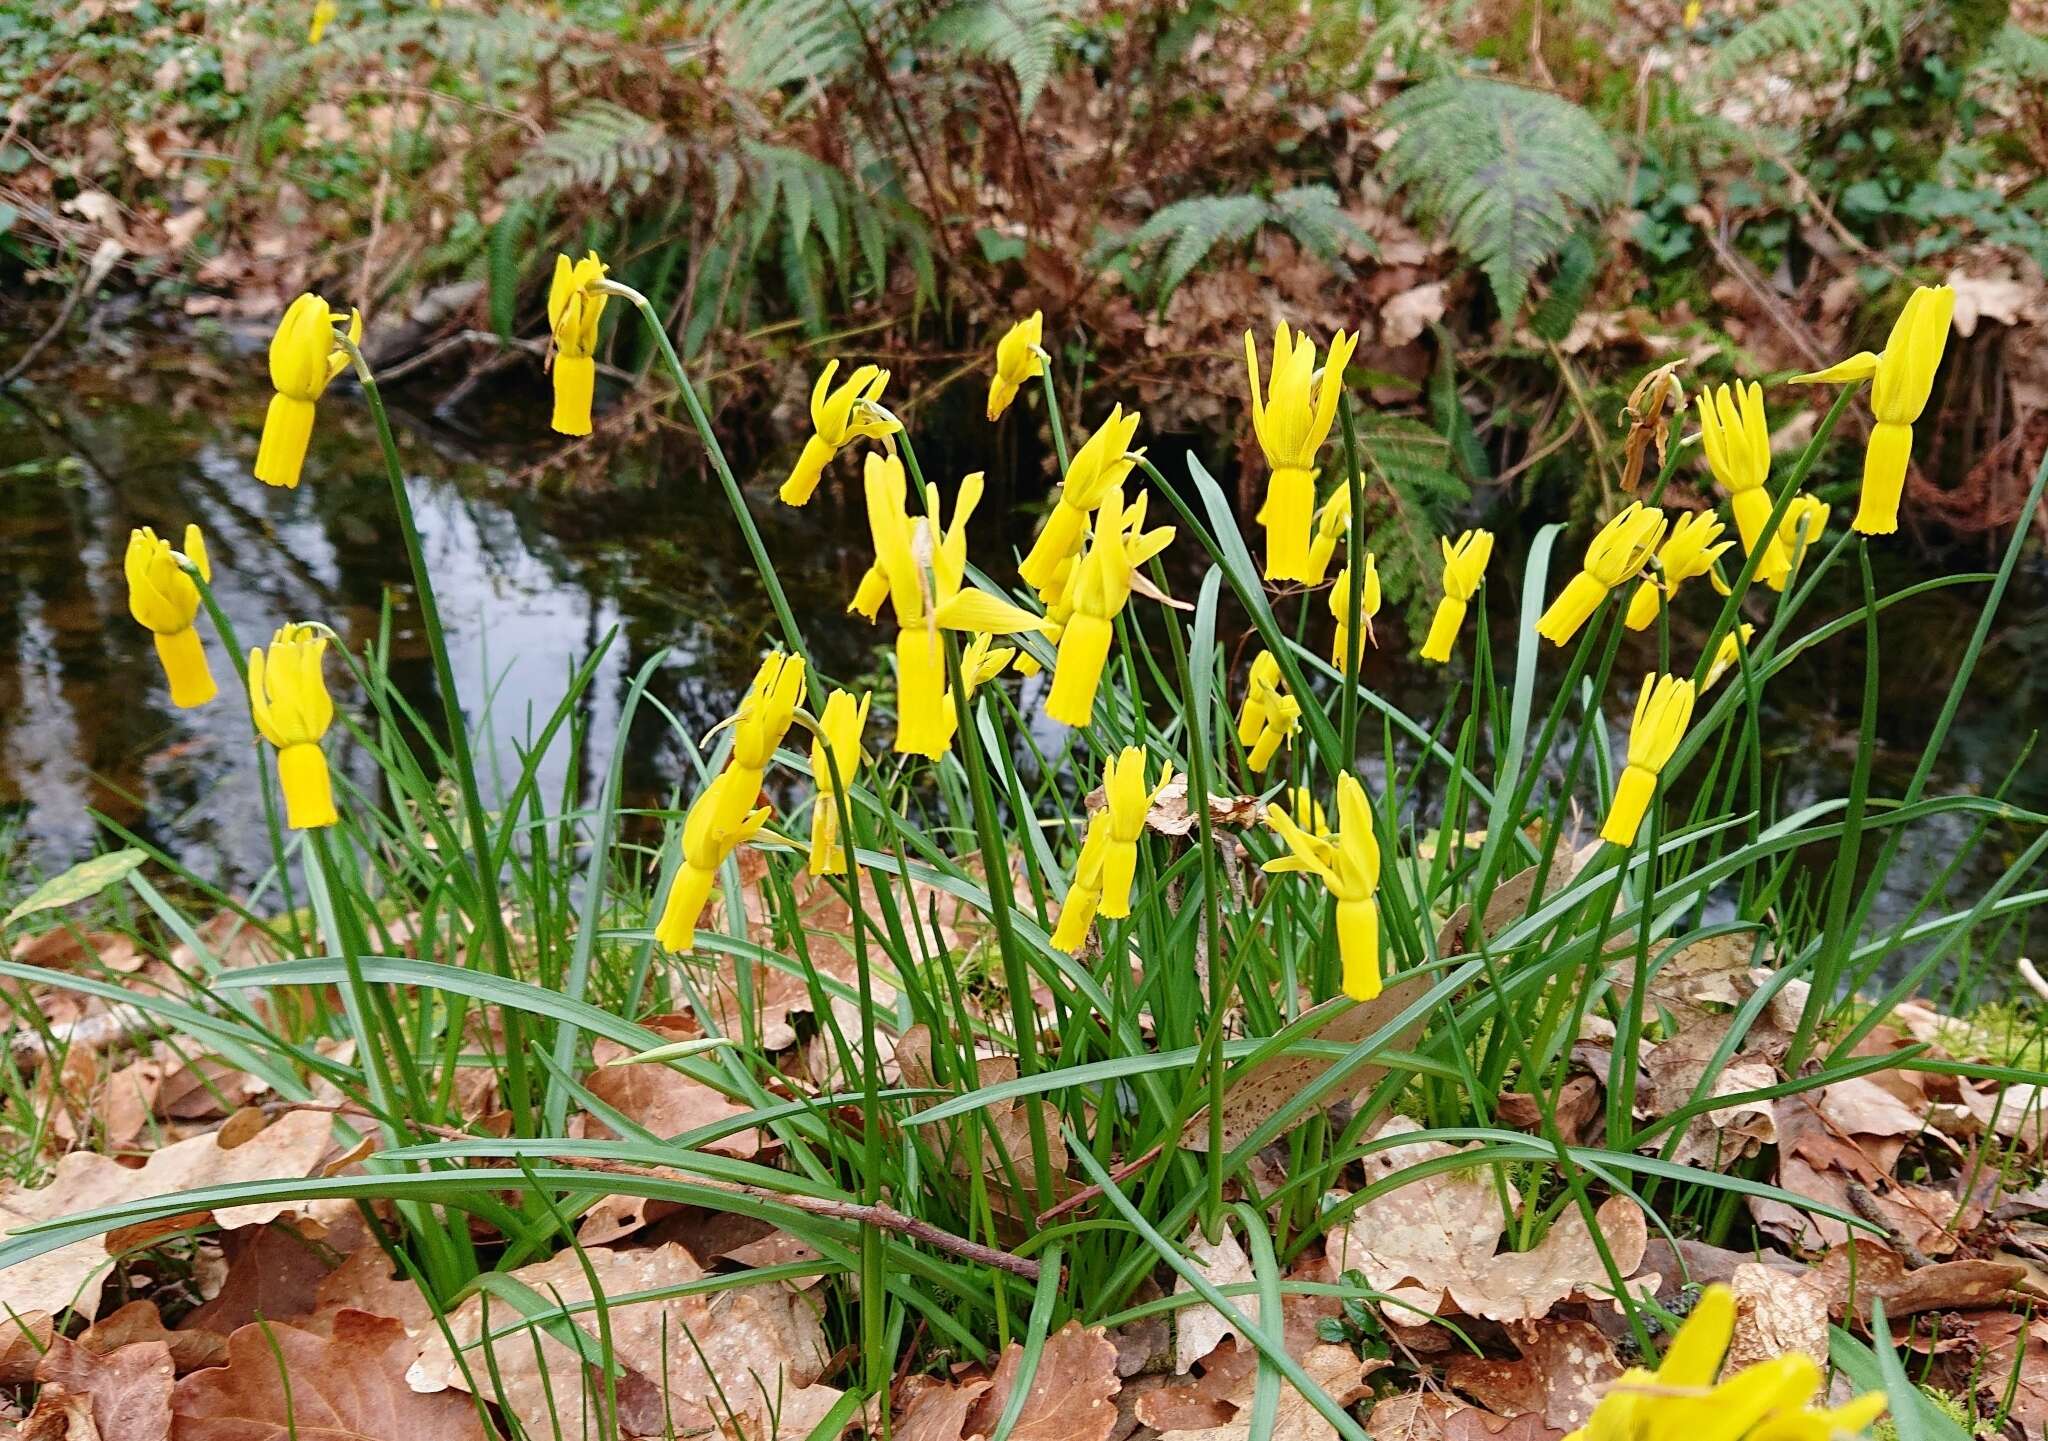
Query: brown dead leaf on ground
x=1818 y=1160
x=274 y=1274
x=1511 y=898
x=140 y=1322
x=2009 y=1343
x=1578 y=1106
x=1004 y=1131
x=23 y=1339
x=1435 y=1241
x=1718 y=1138
x=129 y=1388
x=1254 y=1097
x=1200 y=1328
x=1433 y=1416
x=1777 y=1311
x=1072 y=1395
x=1563 y=1367
x=60 y=1415
x=763 y=1344
x=367 y=1282
x=928 y=1409
x=1170 y=816
x=285 y=1384
x=1857 y=1275
x=664 y=1099
x=71 y=1276
x=1337 y=1369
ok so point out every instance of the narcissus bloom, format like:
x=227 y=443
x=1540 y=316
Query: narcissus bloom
x=1687 y=1397
x=323 y=16
x=1292 y=420
x=915 y=561
x=1799 y=533
x=1348 y=864
x=1737 y=440
x=1340 y=609
x=163 y=600
x=1097 y=468
x=289 y=701
x=842 y=722
x=1689 y=551
x=1109 y=852
x=1098 y=589
x=1616 y=556
x=1662 y=713
x=1308 y=812
x=304 y=357
x=575 y=305
x=766 y=710
x=1017 y=360
x=1902 y=376
x=724 y=817
x=1727 y=654
x=1464 y=567
x=1333 y=523
x=839 y=418
x=1269 y=716
x=982 y=661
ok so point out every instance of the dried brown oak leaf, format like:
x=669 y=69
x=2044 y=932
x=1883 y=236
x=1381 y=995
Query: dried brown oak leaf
x=1563 y=1368
x=1072 y=1395
x=1435 y=1241
x=1337 y=1369
x=72 y=1275
x=130 y=1389
x=284 y=1384
x=1433 y=1416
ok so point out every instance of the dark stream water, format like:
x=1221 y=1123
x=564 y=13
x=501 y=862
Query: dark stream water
x=531 y=575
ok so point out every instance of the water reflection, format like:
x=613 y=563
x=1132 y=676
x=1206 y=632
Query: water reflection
x=531 y=581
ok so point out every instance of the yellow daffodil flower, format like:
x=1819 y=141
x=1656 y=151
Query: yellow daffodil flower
x=323 y=16
x=1662 y=713
x=1616 y=556
x=842 y=721
x=1340 y=610
x=1097 y=468
x=164 y=601
x=838 y=418
x=1017 y=360
x=1799 y=534
x=921 y=570
x=1464 y=567
x=1689 y=551
x=1736 y=436
x=1269 y=716
x=1348 y=864
x=1727 y=654
x=1901 y=378
x=764 y=713
x=288 y=698
x=1688 y=1397
x=724 y=817
x=575 y=305
x=1098 y=590
x=1333 y=523
x=304 y=357
x=1291 y=421
x=982 y=661
x=1109 y=852
x=1308 y=812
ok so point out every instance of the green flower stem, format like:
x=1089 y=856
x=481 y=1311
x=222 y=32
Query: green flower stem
x=1052 y=409
x=791 y=635
x=490 y=914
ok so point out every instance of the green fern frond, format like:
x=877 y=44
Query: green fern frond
x=2018 y=54
x=597 y=146
x=1512 y=173
x=1828 y=32
x=1023 y=36
x=1413 y=497
x=1186 y=232
x=765 y=45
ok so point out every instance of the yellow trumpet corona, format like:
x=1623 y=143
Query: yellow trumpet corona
x=1689 y=551
x=323 y=16
x=841 y=724
x=839 y=417
x=1901 y=376
x=1269 y=716
x=722 y=819
x=304 y=357
x=164 y=600
x=1736 y=436
x=1108 y=864
x=1098 y=589
x=1098 y=467
x=1348 y=864
x=1806 y=520
x=1687 y=1396
x=1291 y=420
x=289 y=702
x=1340 y=610
x=1616 y=556
x=575 y=305
x=1017 y=360
x=1662 y=713
x=1464 y=567
x=1333 y=523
